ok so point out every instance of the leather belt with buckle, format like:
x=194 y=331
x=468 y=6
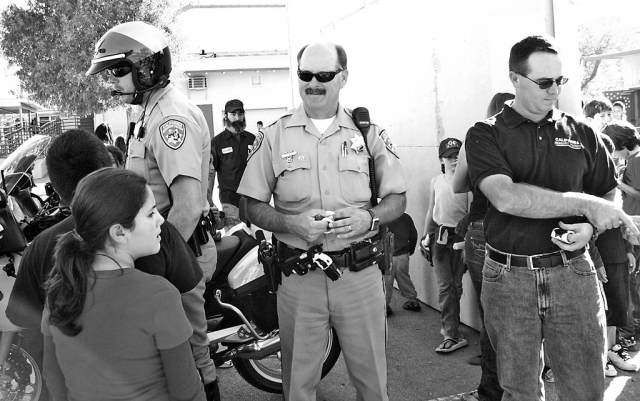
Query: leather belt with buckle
x=535 y=261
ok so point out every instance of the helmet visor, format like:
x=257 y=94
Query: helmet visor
x=101 y=64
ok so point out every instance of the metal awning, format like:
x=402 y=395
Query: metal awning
x=18 y=106
x=612 y=55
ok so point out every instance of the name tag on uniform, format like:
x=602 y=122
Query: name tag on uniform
x=227 y=150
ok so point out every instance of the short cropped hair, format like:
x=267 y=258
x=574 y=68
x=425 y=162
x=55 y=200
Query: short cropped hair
x=71 y=156
x=521 y=51
x=623 y=134
x=596 y=106
x=619 y=103
x=342 y=56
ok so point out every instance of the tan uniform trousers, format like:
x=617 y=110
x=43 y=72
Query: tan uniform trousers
x=355 y=306
x=199 y=340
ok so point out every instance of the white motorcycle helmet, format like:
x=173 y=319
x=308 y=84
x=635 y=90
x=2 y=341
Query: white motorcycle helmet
x=140 y=46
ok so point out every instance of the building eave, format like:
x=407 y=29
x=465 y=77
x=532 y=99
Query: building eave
x=615 y=55
x=210 y=62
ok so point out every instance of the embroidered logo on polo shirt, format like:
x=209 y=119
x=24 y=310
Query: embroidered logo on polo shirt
x=572 y=143
x=173 y=133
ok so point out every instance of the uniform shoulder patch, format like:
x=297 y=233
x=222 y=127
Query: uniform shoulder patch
x=173 y=133
x=387 y=143
x=256 y=144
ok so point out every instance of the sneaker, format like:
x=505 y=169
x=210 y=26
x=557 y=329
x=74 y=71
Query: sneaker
x=621 y=359
x=413 y=306
x=625 y=342
x=226 y=365
x=609 y=370
x=472 y=396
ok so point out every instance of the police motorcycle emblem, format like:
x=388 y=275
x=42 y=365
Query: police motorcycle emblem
x=256 y=145
x=387 y=143
x=173 y=133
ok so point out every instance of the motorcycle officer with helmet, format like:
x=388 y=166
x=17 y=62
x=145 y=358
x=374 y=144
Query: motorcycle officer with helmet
x=169 y=146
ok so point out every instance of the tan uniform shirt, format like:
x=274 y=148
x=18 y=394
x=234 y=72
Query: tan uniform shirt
x=176 y=142
x=305 y=170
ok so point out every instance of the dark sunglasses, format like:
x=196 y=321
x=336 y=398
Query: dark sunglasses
x=546 y=83
x=324 y=76
x=119 y=72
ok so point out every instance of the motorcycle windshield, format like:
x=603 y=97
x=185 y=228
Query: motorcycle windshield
x=27 y=158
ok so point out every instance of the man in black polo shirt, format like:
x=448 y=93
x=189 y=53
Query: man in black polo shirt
x=541 y=169
x=229 y=150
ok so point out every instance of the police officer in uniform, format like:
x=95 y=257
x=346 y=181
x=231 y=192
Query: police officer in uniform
x=169 y=146
x=313 y=161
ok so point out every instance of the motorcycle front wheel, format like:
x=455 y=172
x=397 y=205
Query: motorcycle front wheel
x=23 y=378
x=266 y=374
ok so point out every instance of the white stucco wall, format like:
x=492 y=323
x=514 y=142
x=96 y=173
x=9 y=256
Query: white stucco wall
x=426 y=70
x=631 y=71
x=264 y=102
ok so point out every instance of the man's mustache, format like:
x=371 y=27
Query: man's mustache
x=315 y=91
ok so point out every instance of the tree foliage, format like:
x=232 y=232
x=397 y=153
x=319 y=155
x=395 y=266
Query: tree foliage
x=606 y=35
x=52 y=43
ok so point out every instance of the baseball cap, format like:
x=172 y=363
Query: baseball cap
x=233 y=105
x=448 y=147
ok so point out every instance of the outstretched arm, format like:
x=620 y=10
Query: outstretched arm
x=530 y=201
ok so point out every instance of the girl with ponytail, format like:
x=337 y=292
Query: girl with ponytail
x=111 y=331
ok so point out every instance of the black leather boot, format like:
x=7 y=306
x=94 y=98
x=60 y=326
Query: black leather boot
x=211 y=391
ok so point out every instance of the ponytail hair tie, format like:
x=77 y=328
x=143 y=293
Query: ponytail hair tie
x=77 y=236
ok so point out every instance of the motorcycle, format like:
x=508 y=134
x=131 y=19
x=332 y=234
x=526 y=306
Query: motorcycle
x=241 y=312
x=242 y=316
x=21 y=212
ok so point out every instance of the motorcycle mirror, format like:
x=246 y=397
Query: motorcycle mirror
x=3 y=198
x=260 y=236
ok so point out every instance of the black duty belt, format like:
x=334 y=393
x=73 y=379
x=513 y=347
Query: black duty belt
x=356 y=257
x=536 y=261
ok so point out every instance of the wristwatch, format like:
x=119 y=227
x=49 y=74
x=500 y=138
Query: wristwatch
x=375 y=221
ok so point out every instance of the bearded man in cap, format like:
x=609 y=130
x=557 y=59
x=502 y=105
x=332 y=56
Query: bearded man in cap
x=229 y=151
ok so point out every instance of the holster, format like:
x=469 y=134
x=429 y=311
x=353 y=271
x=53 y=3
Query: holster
x=269 y=259
x=200 y=233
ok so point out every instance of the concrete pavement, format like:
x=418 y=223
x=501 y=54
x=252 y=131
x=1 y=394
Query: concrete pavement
x=416 y=371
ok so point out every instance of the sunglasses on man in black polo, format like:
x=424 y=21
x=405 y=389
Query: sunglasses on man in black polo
x=322 y=77
x=547 y=82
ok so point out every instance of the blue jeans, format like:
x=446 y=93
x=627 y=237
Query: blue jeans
x=560 y=304
x=400 y=272
x=449 y=271
x=474 y=245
